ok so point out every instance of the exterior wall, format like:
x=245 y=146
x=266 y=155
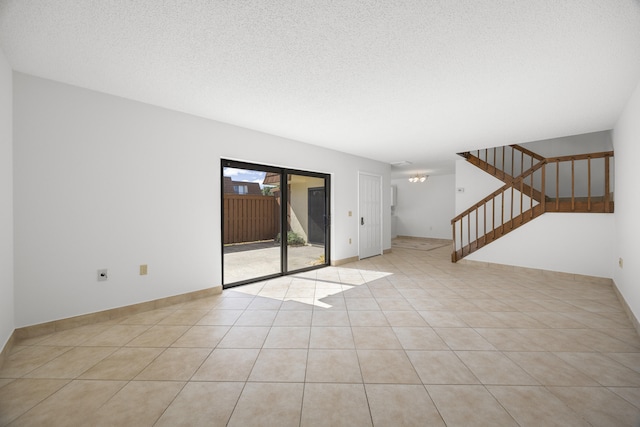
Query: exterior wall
x=299 y=202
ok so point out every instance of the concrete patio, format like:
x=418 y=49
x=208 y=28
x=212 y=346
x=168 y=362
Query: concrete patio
x=258 y=259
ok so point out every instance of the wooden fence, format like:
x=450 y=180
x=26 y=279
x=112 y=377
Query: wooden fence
x=249 y=218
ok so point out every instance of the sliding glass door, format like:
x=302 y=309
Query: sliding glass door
x=258 y=203
x=251 y=223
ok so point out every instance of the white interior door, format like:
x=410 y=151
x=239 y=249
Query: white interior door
x=370 y=215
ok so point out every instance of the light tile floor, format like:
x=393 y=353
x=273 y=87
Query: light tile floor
x=402 y=339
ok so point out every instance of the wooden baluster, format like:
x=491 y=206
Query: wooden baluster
x=493 y=216
x=557 y=185
x=543 y=197
x=454 y=255
x=573 y=186
x=531 y=193
x=607 y=207
x=469 y=231
x=521 y=194
x=513 y=151
x=521 y=162
x=461 y=238
x=503 y=148
x=486 y=159
x=502 y=221
x=512 y=207
x=476 y=227
x=589 y=184
x=484 y=216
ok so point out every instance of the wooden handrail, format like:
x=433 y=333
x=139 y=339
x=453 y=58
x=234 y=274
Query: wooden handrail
x=528 y=152
x=580 y=157
x=489 y=161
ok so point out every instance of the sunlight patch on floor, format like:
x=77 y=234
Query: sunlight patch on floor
x=310 y=287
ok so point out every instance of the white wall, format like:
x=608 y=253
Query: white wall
x=104 y=182
x=576 y=144
x=577 y=243
x=425 y=209
x=626 y=138
x=474 y=183
x=6 y=202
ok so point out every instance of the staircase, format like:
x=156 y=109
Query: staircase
x=532 y=186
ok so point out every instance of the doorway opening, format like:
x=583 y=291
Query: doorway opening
x=275 y=221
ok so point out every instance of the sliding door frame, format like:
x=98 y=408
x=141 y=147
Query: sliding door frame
x=284 y=203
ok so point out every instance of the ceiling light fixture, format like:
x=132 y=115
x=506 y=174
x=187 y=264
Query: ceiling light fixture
x=418 y=178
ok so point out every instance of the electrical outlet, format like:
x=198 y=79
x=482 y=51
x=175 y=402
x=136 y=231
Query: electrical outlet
x=620 y=262
x=102 y=275
x=143 y=269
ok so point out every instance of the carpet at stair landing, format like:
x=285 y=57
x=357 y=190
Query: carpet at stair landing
x=419 y=243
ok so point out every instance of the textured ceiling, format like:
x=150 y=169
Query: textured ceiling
x=390 y=80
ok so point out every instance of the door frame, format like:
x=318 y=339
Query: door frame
x=284 y=204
